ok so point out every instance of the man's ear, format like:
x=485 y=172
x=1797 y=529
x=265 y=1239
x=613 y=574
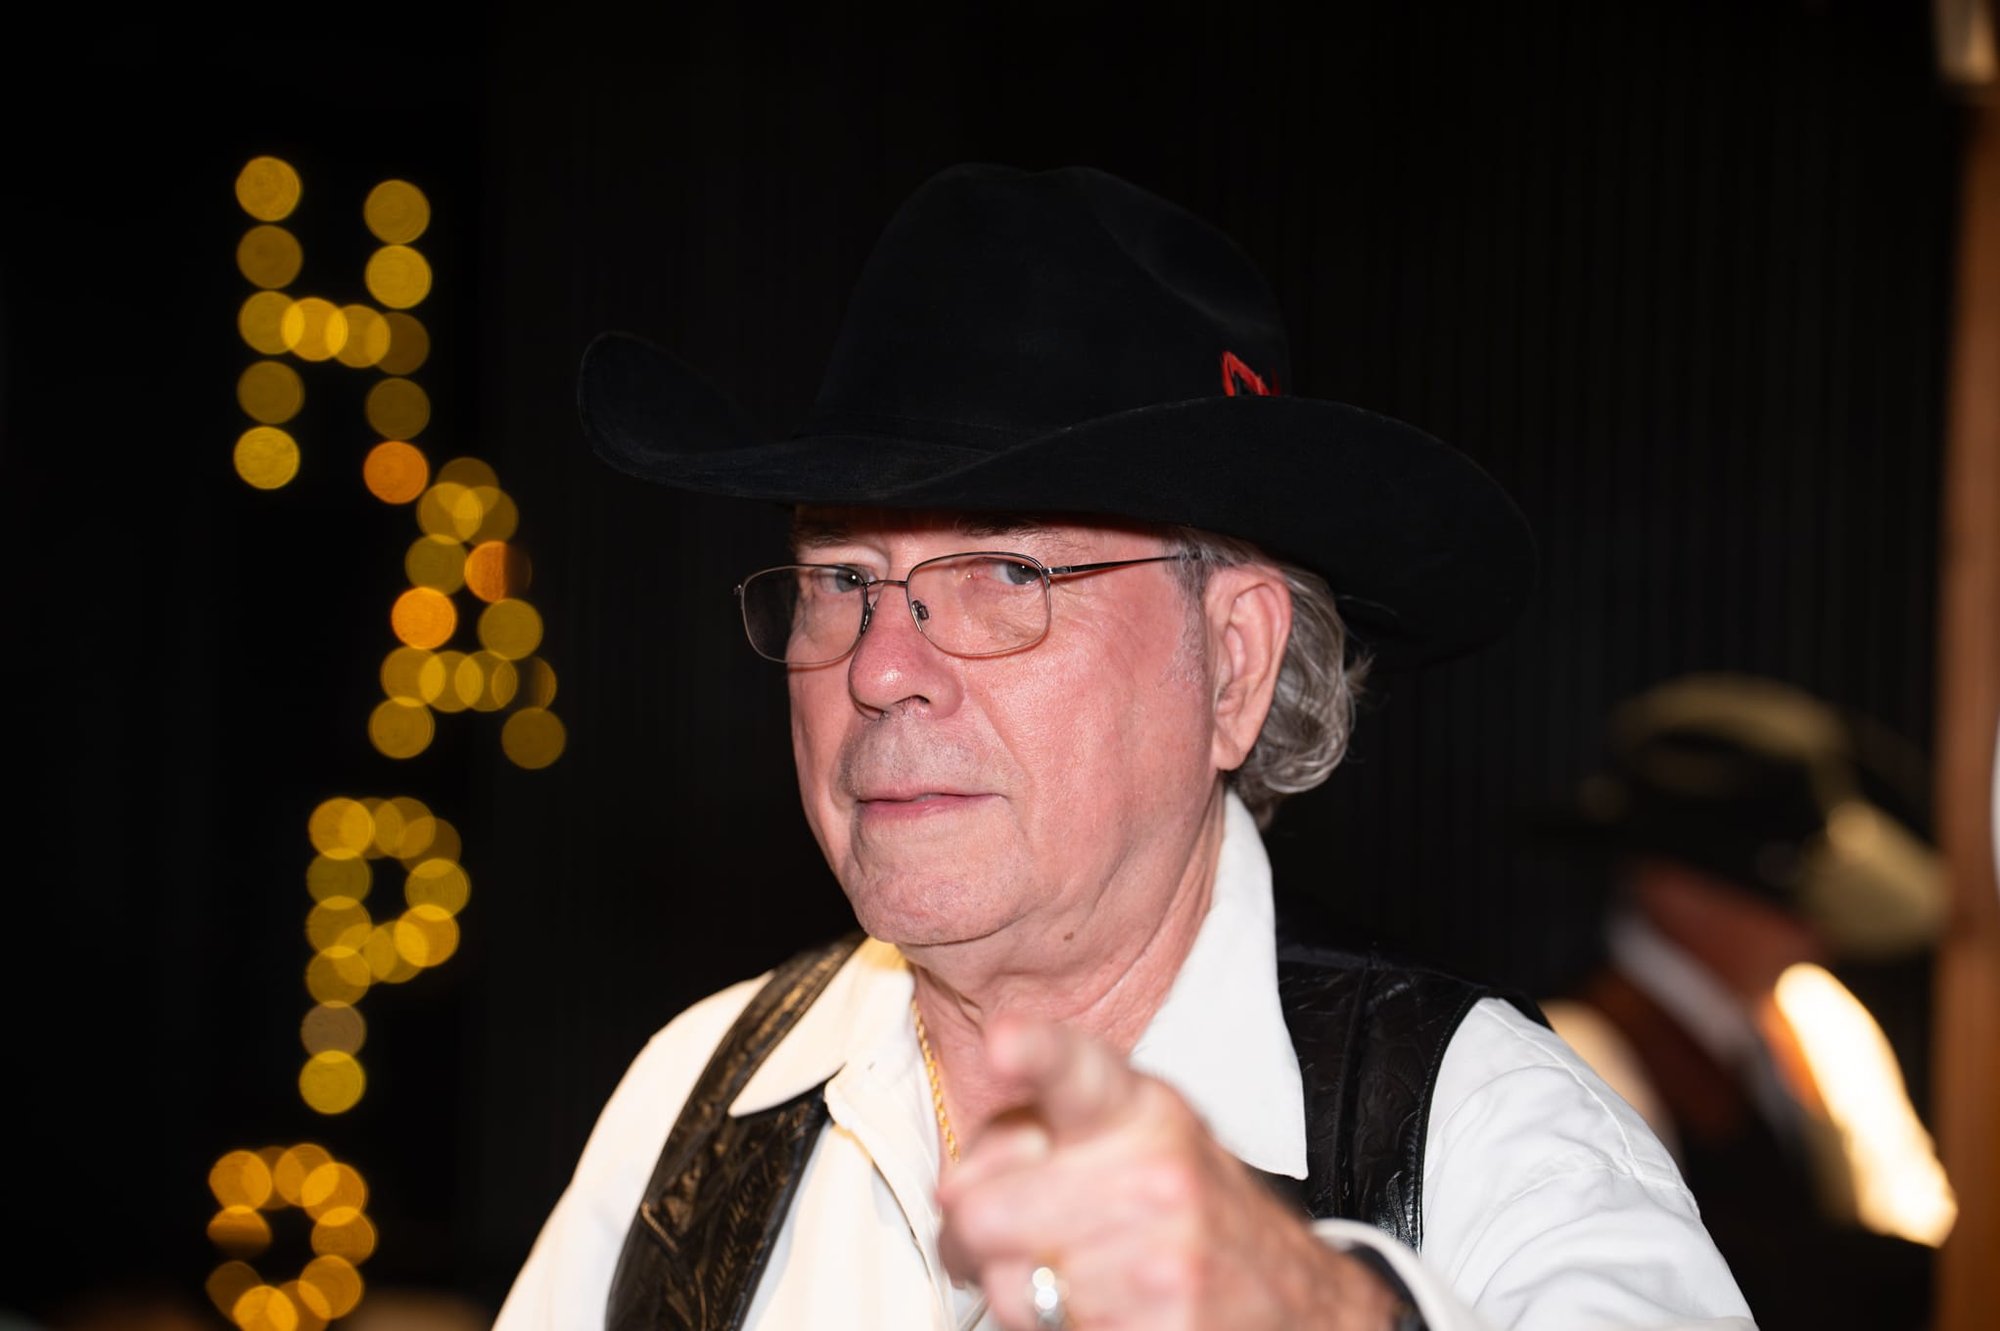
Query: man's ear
x=1249 y=610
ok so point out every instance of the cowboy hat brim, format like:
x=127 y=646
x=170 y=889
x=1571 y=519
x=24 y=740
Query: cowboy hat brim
x=1426 y=554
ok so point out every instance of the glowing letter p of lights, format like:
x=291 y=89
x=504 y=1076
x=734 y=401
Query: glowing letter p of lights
x=360 y=935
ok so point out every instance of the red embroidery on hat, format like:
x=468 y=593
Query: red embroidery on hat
x=1237 y=376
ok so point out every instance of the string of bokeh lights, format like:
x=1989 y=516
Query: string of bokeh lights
x=466 y=524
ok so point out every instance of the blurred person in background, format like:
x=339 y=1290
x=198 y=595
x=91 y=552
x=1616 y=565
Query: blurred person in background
x=1754 y=839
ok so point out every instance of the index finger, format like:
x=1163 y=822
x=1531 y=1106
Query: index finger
x=1079 y=1084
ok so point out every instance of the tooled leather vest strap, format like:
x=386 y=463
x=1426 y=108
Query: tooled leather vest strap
x=1370 y=1036
x=719 y=1194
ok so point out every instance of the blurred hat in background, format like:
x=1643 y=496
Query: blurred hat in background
x=1761 y=784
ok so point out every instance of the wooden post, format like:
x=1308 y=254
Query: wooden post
x=1967 y=1049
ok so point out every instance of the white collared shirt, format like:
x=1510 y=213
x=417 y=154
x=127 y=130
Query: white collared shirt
x=1547 y=1202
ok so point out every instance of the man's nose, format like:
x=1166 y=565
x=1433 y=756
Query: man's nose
x=893 y=664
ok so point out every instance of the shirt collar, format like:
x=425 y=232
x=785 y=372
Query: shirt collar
x=1220 y=1037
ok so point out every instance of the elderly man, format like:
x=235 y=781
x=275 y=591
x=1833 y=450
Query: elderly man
x=1066 y=620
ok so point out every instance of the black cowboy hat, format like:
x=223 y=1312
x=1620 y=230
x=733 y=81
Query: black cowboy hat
x=1066 y=342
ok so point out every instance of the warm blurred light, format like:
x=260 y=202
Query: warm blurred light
x=332 y=1082
x=469 y=472
x=397 y=212
x=498 y=515
x=1900 y=1188
x=532 y=738
x=495 y=570
x=338 y=975
x=293 y=1166
x=444 y=844
x=426 y=935
x=240 y=1231
x=266 y=457
x=313 y=329
x=308 y=1301
x=336 y=1281
x=397 y=276
x=230 y=1282
x=268 y=188
x=401 y=729
x=395 y=472
x=259 y=322
x=417 y=828
x=344 y=1232
x=385 y=960
x=331 y=1187
x=538 y=682
x=397 y=409
x=438 y=682
x=333 y=1028
x=367 y=337
x=271 y=392
x=440 y=883
x=409 y=343
x=337 y=922
x=340 y=826
x=450 y=510
x=500 y=681
x=340 y=875
x=437 y=562
x=240 y=1178
x=425 y=618
x=264 y=1308
x=401 y=670
x=511 y=628
x=269 y=256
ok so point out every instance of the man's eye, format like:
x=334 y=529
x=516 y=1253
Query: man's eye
x=1015 y=573
x=838 y=581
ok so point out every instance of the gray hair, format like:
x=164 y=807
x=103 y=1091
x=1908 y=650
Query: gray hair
x=1312 y=711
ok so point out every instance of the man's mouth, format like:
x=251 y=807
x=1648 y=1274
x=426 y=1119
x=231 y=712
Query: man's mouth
x=893 y=805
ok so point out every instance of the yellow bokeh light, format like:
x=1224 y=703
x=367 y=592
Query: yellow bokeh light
x=445 y=844
x=336 y=1281
x=397 y=276
x=450 y=510
x=426 y=935
x=313 y=329
x=401 y=729
x=440 y=883
x=385 y=960
x=388 y=816
x=332 y=1083
x=308 y=1301
x=338 y=975
x=344 y=1232
x=337 y=922
x=270 y=392
x=330 y=1187
x=240 y=1231
x=294 y=1164
x=342 y=875
x=268 y=188
x=511 y=628
x=395 y=472
x=396 y=212
x=333 y=1028
x=240 y=1178
x=397 y=409
x=265 y=1308
x=438 y=682
x=417 y=830
x=367 y=337
x=469 y=472
x=409 y=343
x=538 y=683
x=340 y=826
x=495 y=570
x=498 y=515
x=500 y=681
x=269 y=256
x=437 y=562
x=260 y=319
x=424 y=618
x=266 y=457
x=401 y=671
x=532 y=738
x=229 y=1282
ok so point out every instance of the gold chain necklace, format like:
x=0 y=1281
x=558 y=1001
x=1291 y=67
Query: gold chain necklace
x=937 y=1083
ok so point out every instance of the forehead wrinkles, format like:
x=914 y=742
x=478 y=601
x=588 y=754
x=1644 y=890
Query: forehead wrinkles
x=817 y=528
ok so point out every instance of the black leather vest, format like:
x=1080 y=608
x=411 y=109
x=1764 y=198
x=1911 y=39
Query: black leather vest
x=1369 y=1036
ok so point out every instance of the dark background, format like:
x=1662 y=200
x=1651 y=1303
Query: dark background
x=1678 y=274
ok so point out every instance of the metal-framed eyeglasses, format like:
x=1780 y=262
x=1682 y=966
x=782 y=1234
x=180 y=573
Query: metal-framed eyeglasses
x=979 y=603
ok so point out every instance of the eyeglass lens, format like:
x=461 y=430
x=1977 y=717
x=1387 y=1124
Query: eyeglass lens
x=978 y=604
